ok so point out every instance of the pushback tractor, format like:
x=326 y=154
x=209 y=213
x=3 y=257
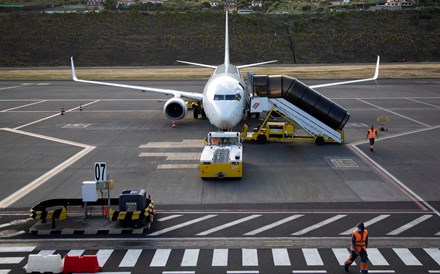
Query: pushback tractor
x=222 y=156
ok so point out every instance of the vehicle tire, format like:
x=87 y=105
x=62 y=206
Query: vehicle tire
x=261 y=139
x=319 y=141
x=196 y=113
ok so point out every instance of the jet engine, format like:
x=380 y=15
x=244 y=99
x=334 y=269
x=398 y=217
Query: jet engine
x=175 y=109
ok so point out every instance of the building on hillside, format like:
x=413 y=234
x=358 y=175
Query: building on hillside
x=230 y=5
x=214 y=3
x=402 y=3
x=257 y=4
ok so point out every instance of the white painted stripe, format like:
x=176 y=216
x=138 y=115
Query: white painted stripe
x=160 y=258
x=367 y=223
x=178 y=166
x=308 y=271
x=312 y=256
x=342 y=255
x=76 y=252
x=221 y=227
x=187 y=143
x=220 y=257
x=19 y=194
x=381 y=271
x=434 y=253
x=376 y=258
x=171 y=228
x=130 y=258
x=396 y=182
x=280 y=257
x=409 y=225
x=173 y=155
x=9 y=87
x=168 y=218
x=433 y=271
x=30 y=104
x=423 y=103
x=46 y=252
x=5 y=271
x=407 y=257
x=11 y=260
x=395 y=113
x=178 y=272
x=190 y=257
x=242 y=272
x=9 y=249
x=275 y=224
x=318 y=225
x=103 y=255
x=249 y=257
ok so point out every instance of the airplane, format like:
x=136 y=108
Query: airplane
x=223 y=100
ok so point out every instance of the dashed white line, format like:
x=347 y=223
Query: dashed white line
x=171 y=228
x=218 y=228
x=367 y=223
x=30 y=104
x=275 y=224
x=407 y=257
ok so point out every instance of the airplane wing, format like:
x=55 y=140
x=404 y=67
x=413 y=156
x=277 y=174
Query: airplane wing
x=376 y=75
x=175 y=93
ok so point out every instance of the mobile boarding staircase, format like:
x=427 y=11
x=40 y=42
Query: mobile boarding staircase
x=317 y=115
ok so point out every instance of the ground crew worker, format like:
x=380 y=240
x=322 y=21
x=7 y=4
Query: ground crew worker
x=372 y=134
x=359 y=244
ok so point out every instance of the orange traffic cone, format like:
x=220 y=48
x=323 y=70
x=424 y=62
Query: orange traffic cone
x=80 y=107
x=174 y=125
x=62 y=110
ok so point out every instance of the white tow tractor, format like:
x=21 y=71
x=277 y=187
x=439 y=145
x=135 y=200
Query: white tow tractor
x=222 y=156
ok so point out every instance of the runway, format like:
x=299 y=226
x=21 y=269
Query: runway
x=45 y=155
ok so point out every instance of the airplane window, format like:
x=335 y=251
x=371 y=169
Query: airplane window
x=230 y=97
x=219 y=97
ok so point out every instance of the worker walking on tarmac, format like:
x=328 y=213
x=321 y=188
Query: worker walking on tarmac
x=359 y=244
x=372 y=135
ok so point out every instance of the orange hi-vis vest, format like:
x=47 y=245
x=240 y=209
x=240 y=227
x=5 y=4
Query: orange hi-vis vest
x=372 y=133
x=360 y=240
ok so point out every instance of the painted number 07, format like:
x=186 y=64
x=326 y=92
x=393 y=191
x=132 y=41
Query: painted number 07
x=100 y=172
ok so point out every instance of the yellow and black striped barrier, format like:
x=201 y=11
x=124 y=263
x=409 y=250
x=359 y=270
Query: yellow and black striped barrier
x=57 y=214
x=132 y=215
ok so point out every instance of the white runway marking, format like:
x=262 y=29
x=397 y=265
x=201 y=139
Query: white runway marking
x=220 y=257
x=395 y=113
x=171 y=228
x=434 y=253
x=48 y=175
x=407 y=257
x=376 y=258
x=249 y=257
x=318 y=225
x=187 y=143
x=160 y=258
x=270 y=226
x=34 y=103
x=168 y=218
x=173 y=155
x=11 y=260
x=130 y=258
x=341 y=255
x=367 y=223
x=280 y=257
x=178 y=166
x=190 y=257
x=409 y=225
x=5 y=88
x=221 y=227
x=312 y=257
x=103 y=255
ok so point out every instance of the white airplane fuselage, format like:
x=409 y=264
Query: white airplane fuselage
x=224 y=97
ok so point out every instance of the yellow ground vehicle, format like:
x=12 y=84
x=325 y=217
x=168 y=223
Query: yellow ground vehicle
x=222 y=156
x=280 y=131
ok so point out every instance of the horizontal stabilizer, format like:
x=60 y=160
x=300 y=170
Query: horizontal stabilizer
x=197 y=64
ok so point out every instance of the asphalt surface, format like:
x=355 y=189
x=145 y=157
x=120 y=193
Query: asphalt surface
x=52 y=154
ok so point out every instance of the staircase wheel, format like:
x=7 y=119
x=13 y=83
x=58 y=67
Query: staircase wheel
x=261 y=139
x=196 y=112
x=319 y=140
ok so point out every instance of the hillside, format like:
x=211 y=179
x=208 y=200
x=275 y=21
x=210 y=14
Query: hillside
x=142 y=39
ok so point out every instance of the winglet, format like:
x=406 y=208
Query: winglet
x=73 y=70
x=376 y=73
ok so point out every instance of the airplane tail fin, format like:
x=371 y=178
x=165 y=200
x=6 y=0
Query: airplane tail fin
x=226 y=62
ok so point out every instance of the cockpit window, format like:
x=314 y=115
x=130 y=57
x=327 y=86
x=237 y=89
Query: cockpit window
x=219 y=97
x=228 y=97
x=237 y=96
